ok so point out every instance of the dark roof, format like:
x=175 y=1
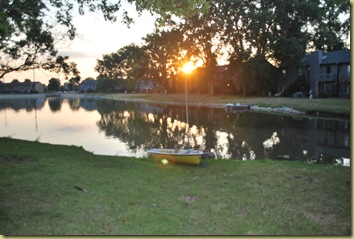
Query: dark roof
x=332 y=57
x=27 y=84
x=342 y=56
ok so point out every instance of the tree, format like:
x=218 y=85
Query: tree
x=264 y=75
x=279 y=30
x=27 y=40
x=282 y=30
x=135 y=64
x=105 y=84
x=54 y=84
x=158 y=59
x=164 y=51
x=111 y=65
x=121 y=68
x=330 y=31
x=73 y=82
x=200 y=34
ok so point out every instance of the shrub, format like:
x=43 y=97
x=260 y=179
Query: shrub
x=299 y=85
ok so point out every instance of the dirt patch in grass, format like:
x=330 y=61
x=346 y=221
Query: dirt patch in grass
x=11 y=159
x=190 y=199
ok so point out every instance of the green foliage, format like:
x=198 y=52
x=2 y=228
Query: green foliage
x=60 y=64
x=299 y=85
x=26 y=34
x=111 y=86
x=74 y=82
x=156 y=60
x=262 y=74
x=164 y=55
x=54 y=84
x=127 y=62
x=179 y=8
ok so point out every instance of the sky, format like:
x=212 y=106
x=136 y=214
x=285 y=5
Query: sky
x=96 y=37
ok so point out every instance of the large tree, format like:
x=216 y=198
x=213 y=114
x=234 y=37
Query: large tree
x=27 y=39
x=54 y=84
x=112 y=65
x=127 y=65
x=164 y=49
x=276 y=30
x=201 y=37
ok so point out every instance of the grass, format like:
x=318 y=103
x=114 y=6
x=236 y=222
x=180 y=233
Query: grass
x=40 y=187
x=336 y=106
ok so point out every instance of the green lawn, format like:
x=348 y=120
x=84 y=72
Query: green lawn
x=130 y=196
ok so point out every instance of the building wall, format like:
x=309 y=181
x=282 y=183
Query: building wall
x=326 y=76
x=344 y=80
x=315 y=61
x=39 y=87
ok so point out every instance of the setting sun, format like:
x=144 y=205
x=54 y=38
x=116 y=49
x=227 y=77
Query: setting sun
x=188 y=67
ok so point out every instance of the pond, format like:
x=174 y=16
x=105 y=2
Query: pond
x=121 y=128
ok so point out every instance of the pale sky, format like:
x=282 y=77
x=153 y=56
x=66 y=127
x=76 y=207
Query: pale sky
x=96 y=37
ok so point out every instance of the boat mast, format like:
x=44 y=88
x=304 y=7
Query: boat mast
x=187 y=117
x=187 y=68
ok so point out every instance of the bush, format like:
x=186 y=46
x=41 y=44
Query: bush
x=298 y=85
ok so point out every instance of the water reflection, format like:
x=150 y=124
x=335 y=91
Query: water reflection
x=241 y=136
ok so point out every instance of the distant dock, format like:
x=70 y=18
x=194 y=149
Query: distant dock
x=55 y=94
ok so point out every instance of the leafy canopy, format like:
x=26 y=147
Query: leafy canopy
x=27 y=36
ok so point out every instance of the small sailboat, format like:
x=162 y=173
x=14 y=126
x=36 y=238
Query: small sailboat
x=176 y=155
x=184 y=156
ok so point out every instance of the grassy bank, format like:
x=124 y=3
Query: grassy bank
x=64 y=190
x=332 y=106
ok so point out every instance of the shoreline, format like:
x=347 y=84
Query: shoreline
x=270 y=110
x=284 y=110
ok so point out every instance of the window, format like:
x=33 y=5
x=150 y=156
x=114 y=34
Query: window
x=328 y=70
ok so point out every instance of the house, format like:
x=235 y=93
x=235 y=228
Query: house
x=148 y=86
x=144 y=86
x=326 y=73
x=221 y=83
x=88 y=86
x=22 y=87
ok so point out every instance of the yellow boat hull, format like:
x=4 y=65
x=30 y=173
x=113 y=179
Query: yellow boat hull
x=182 y=156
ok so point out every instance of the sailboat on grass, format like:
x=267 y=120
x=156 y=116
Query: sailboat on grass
x=176 y=155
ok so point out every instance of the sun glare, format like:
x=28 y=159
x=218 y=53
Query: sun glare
x=188 y=67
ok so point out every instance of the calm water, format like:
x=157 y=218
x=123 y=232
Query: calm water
x=128 y=129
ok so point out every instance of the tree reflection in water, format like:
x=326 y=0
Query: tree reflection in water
x=243 y=136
